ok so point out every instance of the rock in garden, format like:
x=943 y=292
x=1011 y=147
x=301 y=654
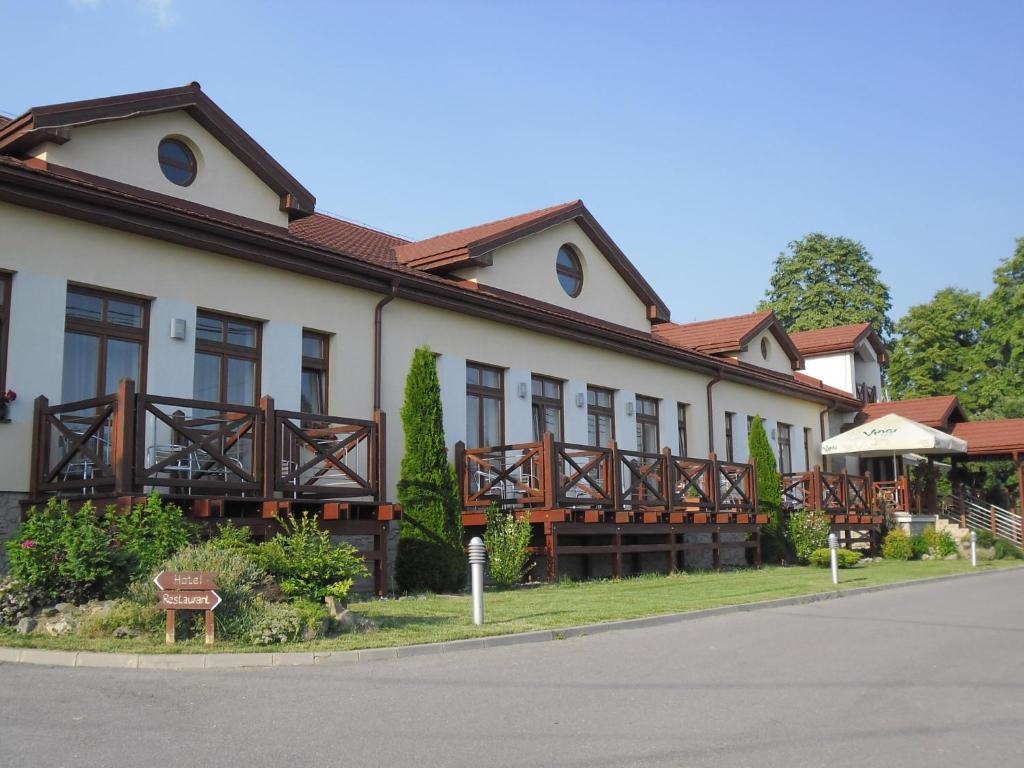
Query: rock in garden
x=62 y=626
x=48 y=611
x=125 y=633
x=62 y=607
x=26 y=626
x=345 y=621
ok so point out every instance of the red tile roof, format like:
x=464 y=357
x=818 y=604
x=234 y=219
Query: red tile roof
x=457 y=245
x=347 y=237
x=725 y=334
x=991 y=438
x=4 y=121
x=930 y=411
x=841 y=338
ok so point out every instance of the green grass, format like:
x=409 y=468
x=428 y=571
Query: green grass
x=432 y=618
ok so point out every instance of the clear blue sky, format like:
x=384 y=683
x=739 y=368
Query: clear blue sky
x=703 y=135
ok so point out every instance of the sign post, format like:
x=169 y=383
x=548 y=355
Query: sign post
x=187 y=591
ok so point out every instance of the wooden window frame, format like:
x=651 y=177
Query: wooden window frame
x=483 y=392
x=643 y=419
x=782 y=427
x=730 y=452
x=548 y=402
x=682 y=431
x=807 y=449
x=106 y=331
x=226 y=351
x=5 y=325
x=320 y=364
x=600 y=410
x=575 y=272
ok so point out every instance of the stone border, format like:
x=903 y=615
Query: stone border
x=194 y=661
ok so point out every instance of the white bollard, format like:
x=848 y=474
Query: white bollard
x=974 y=549
x=477 y=558
x=833 y=546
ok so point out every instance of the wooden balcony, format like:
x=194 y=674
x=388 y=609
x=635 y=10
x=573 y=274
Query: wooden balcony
x=848 y=500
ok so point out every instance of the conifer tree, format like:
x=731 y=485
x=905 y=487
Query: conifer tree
x=774 y=546
x=430 y=555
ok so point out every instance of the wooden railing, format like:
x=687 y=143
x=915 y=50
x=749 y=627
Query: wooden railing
x=126 y=443
x=548 y=474
x=831 y=492
x=896 y=495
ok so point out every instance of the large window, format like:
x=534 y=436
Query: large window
x=484 y=405
x=227 y=359
x=647 y=424
x=547 y=407
x=600 y=416
x=104 y=342
x=785 y=449
x=681 y=411
x=729 y=451
x=5 y=321
x=314 y=372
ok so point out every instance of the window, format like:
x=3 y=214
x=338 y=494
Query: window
x=227 y=359
x=807 y=449
x=104 y=342
x=484 y=405
x=600 y=416
x=681 y=410
x=765 y=348
x=569 y=270
x=785 y=449
x=750 y=426
x=729 y=417
x=647 y=424
x=177 y=162
x=5 y=321
x=547 y=407
x=314 y=372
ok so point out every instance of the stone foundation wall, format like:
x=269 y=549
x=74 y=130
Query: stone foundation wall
x=10 y=516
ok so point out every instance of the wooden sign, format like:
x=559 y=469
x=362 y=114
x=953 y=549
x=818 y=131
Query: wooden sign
x=187 y=591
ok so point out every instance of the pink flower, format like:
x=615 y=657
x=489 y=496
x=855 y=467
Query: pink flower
x=117 y=543
x=11 y=395
x=28 y=544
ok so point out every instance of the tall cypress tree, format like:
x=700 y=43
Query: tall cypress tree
x=769 y=491
x=430 y=545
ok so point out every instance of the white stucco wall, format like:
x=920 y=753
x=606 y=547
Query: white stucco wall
x=866 y=368
x=777 y=359
x=527 y=267
x=126 y=151
x=836 y=370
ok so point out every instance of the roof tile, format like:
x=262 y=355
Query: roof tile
x=725 y=334
x=997 y=437
x=930 y=411
x=347 y=237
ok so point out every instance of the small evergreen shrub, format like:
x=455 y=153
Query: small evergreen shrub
x=846 y=558
x=1004 y=550
x=17 y=600
x=234 y=538
x=808 y=531
x=306 y=564
x=897 y=545
x=150 y=533
x=507 y=541
x=769 y=483
x=986 y=539
x=945 y=544
x=144 y=618
x=919 y=546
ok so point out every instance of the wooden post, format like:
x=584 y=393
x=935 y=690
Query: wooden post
x=869 y=490
x=381 y=575
x=615 y=476
x=617 y=562
x=549 y=471
x=752 y=491
x=712 y=489
x=667 y=486
x=169 y=631
x=551 y=537
x=844 y=492
x=672 y=549
x=40 y=445
x=121 y=442
x=1020 y=493
x=716 y=552
x=209 y=628
x=381 y=459
x=271 y=466
x=992 y=518
x=816 y=488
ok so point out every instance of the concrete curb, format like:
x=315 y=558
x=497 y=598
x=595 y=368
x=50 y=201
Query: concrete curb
x=222 y=661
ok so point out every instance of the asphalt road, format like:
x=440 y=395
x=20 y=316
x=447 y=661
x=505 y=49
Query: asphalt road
x=923 y=676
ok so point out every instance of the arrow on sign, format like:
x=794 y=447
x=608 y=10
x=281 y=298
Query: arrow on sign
x=189 y=600
x=185 y=580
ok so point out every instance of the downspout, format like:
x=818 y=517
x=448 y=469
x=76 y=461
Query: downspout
x=821 y=426
x=711 y=412
x=377 y=342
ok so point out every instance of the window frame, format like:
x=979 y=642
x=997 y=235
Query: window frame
x=600 y=410
x=192 y=169
x=5 y=324
x=787 y=455
x=483 y=392
x=541 y=401
x=105 y=331
x=682 y=431
x=322 y=365
x=226 y=351
x=807 y=449
x=575 y=272
x=730 y=453
x=647 y=420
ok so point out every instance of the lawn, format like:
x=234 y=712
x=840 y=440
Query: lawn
x=432 y=618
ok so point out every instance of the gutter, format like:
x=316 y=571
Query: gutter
x=711 y=414
x=378 y=327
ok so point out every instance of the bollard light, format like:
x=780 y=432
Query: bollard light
x=833 y=546
x=974 y=549
x=477 y=558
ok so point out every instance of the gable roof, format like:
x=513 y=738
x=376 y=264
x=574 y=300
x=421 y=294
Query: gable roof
x=52 y=123
x=472 y=245
x=347 y=237
x=841 y=338
x=936 y=412
x=726 y=335
x=992 y=438
x=4 y=121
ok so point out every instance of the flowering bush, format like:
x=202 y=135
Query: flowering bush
x=507 y=541
x=808 y=530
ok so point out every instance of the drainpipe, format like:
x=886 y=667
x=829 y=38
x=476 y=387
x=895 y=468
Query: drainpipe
x=711 y=413
x=377 y=337
x=821 y=426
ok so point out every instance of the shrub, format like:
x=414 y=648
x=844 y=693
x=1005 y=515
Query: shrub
x=769 y=484
x=919 y=546
x=507 y=541
x=17 y=600
x=286 y=622
x=306 y=563
x=986 y=539
x=931 y=537
x=150 y=533
x=430 y=554
x=146 y=619
x=846 y=558
x=808 y=530
x=1004 y=550
x=234 y=538
x=945 y=544
x=897 y=545
x=70 y=556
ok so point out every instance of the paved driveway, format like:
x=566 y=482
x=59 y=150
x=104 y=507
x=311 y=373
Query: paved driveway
x=922 y=676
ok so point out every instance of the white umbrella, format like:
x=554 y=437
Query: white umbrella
x=891 y=435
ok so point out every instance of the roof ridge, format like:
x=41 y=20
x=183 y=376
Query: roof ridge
x=350 y=222
x=718 y=319
x=548 y=209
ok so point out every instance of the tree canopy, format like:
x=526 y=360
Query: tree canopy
x=824 y=281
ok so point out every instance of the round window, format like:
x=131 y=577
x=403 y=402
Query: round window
x=569 y=270
x=764 y=348
x=177 y=162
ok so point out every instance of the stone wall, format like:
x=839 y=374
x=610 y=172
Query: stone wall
x=10 y=516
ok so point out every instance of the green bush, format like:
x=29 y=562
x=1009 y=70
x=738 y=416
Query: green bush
x=931 y=537
x=919 y=546
x=897 y=545
x=305 y=562
x=235 y=538
x=150 y=533
x=146 y=619
x=1004 y=550
x=507 y=541
x=69 y=556
x=286 y=622
x=846 y=558
x=808 y=531
x=945 y=544
x=986 y=539
x=769 y=483
x=17 y=600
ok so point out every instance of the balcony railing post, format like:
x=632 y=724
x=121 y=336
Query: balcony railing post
x=752 y=488
x=816 y=488
x=667 y=486
x=40 y=444
x=462 y=471
x=713 y=488
x=614 y=475
x=379 y=456
x=869 y=491
x=549 y=475
x=271 y=467
x=121 y=442
x=844 y=492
